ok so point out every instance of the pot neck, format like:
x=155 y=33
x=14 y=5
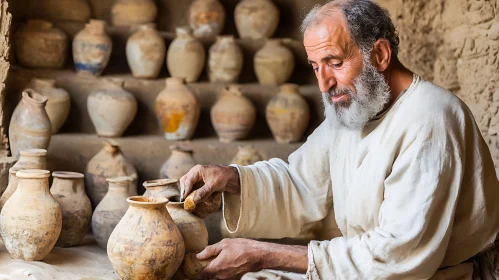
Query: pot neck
x=175 y=82
x=145 y=202
x=42 y=83
x=225 y=39
x=34 y=99
x=289 y=89
x=147 y=27
x=97 y=27
x=184 y=32
x=33 y=180
x=111 y=147
x=175 y=205
x=273 y=43
x=68 y=182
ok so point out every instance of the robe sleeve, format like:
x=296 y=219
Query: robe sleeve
x=278 y=199
x=415 y=220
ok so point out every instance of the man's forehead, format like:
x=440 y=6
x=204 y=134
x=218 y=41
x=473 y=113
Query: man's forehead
x=331 y=30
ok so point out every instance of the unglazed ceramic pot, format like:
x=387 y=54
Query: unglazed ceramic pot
x=133 y=12
x=146 y=244
x=178 y=164
x=207 y=18
x=256 y=19
x=92 y=48
x=186 y=56
x=145 y=52
x=246 y=155
x=225 y=61
x=274 y=63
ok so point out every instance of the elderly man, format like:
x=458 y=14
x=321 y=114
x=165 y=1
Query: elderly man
x=399 y=164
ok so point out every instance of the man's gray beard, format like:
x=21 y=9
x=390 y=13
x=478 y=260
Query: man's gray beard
x=373 y=93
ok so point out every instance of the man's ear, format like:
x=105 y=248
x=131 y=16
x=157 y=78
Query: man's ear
x=381 y=54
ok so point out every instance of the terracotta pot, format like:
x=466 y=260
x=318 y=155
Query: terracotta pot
x=133 y=12
x=107 y=163
x=146 y=244
x=92 y=48
x=256 y=19
x=111 y=109
x=68 y=189
x=31 y=231
x=11 y=187
x=166 y=188
x=145 y=52
x=246 y=155
x=178 y=164
x=58 y=103
x=31 y=159
x=207 y=18
x=233 y=115
x=38 y=44
x=288 y=114
x=30 y=125
x=111 y=209
x=274 y=63
x=186 y=56
x=225 y=60
x=66 y=10
x=177 y=110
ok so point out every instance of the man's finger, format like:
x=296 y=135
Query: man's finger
x=202 y=193
x=210 y=251
x=211 y=270
x=188 y=180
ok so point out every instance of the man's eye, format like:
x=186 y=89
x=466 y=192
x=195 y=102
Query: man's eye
x=337 y=65
x=316 y=69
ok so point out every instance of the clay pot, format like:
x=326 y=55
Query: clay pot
x=177 y=110
x=145 y=52
x=11 y=187
x=178 y=164
x=111 y=109
x=146 y=243
x=58 y=103
x=273 y=63
x=111 y=209
x=31 y=159
x=246 y=155
x=133 y=12
x=69 y=190
x=30 y=125
x=288 y=114
x=166 y=188
x=186 y=56
x=225 y=60
x=108 y=162
x=38 y=44
x=233 y=115
x=31 y=231
x=66 y=10
x=92 y=48
x=256 y=19
x=207 y=18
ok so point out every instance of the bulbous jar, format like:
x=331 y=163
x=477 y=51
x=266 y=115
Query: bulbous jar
x=145 y=52
x=225 y=61
x=256 y=19
x=133 y=12
x=206 y=18
x=186 y=56
x=274 y=63
x=178 y=164
x=246 y=155
x=92 y=48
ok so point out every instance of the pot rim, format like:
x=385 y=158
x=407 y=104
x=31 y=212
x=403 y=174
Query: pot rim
x=33 y=152
x=67 y=175
x=33 y=97
x=159 y=182
x=13 y=170
x=147 y=200
x=33 y=173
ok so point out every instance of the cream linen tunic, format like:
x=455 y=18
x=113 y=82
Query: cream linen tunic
x=414 y=193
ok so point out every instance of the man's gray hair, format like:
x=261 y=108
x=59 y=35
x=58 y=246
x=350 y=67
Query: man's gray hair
x=366 y=20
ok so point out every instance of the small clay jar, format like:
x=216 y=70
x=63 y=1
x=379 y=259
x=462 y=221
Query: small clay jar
x=133 y=12
x=186 y=56
x=225 y=61
x=31 y=159
x=166 y=188
x=38 y=44
x=69 y=190
x=145 y=52
x=233 y=115
x=92 y=48
x=256 y=19
x=178 y=164
x=246 y=155
x=288 y=114
x=274 y=63
x=206 y=18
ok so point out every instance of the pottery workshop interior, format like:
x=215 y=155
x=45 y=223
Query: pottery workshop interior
x=106 y=104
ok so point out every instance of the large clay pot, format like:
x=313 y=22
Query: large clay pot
x=178 y=164
x=58 y=103
x=31 y=231
x=38 y=44
x=30 y=125
x=69 y=190
x=233 y=115
x=108 y=162
x=246 y=155
x=177 y=110
x=11 y=187
x=166 y=188
x=145 y=52
x=133 y=12
x=67 y=10
x=31 y=159
x=256 y=19
x=288 y=114
x=146 y=244
x=274 y=63
x=111 y=109
x=225 y=60
x=207 y=18
x=186 y=56
x=111 y=209
x=92 y=48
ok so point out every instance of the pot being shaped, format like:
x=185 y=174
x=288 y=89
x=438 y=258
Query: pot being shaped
x=166 y=188
x=111 y=209
x=186 y=56
x=11 y=187
x=246 y=155
x=58 y=104
x=145 y=52
x=225 y=60
x=133 y=12
x=69 y=190
x=92 y=48
x=178 y=164
x=288 y=114
x=70 y=10
x=111 y=109
x=256 y=19
x=31 y=231
x=30 y=125
x=233 y=115
x=107 y=163
x=146 y=244
x=177 y=110
x=206 y=18
x=31 y=159
x=38 y=44
x=274 y=63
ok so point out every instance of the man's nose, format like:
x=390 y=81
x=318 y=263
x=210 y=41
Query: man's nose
x=326 y=80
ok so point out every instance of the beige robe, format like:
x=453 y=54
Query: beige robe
x=414 y=193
